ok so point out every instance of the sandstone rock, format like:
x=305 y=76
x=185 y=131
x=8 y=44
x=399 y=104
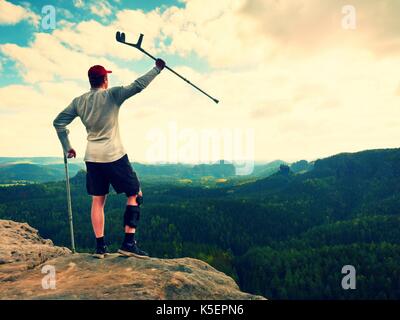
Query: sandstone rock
x=23 y=254
x=21 y=248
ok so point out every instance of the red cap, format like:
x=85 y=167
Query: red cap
x=97 y=71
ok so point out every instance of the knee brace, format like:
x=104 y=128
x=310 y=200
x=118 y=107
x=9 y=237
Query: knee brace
x=131 y=216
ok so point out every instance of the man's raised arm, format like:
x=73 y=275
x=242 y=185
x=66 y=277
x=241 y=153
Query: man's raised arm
x=64 y=118
x=122 y=93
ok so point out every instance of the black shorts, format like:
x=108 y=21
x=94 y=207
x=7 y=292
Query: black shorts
x=118 y=173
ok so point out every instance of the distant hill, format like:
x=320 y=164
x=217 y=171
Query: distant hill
x=217 y=170
x=301 y=166
x=43 y=169
x=32 y=160
x=12 y=173
x=344 y=170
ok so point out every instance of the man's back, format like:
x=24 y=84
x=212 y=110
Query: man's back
x=98 y=110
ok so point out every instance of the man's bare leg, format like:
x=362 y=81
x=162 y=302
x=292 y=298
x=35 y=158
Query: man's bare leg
x=97 y=215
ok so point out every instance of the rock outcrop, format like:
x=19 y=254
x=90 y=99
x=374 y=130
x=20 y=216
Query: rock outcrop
x=26 y=258
x=21 y=249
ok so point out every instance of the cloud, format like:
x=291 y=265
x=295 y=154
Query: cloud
x=397 y=92
x=11 y=14
x=47 y=59
x=220 y=36
x=41 y=98
x=101 y=8
x=66 y=13
x=190 y=30
x=244 y=33
x=81 y=36
x=78 y=3
x=223 y=37
x=270 y=108
x=307 y=26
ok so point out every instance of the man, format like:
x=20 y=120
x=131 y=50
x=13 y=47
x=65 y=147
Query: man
x=106 y=159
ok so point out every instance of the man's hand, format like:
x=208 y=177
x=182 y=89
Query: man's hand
x=71 y=153
x=160 y=63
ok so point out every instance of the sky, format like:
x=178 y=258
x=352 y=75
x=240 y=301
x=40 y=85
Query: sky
x=296 y=79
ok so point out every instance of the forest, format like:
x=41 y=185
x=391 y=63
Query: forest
x=284 y=235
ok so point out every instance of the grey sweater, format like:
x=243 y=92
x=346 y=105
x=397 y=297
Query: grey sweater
x=98 y=110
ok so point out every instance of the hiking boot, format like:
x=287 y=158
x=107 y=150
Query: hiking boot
x=132 y=250
x=101 y=252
